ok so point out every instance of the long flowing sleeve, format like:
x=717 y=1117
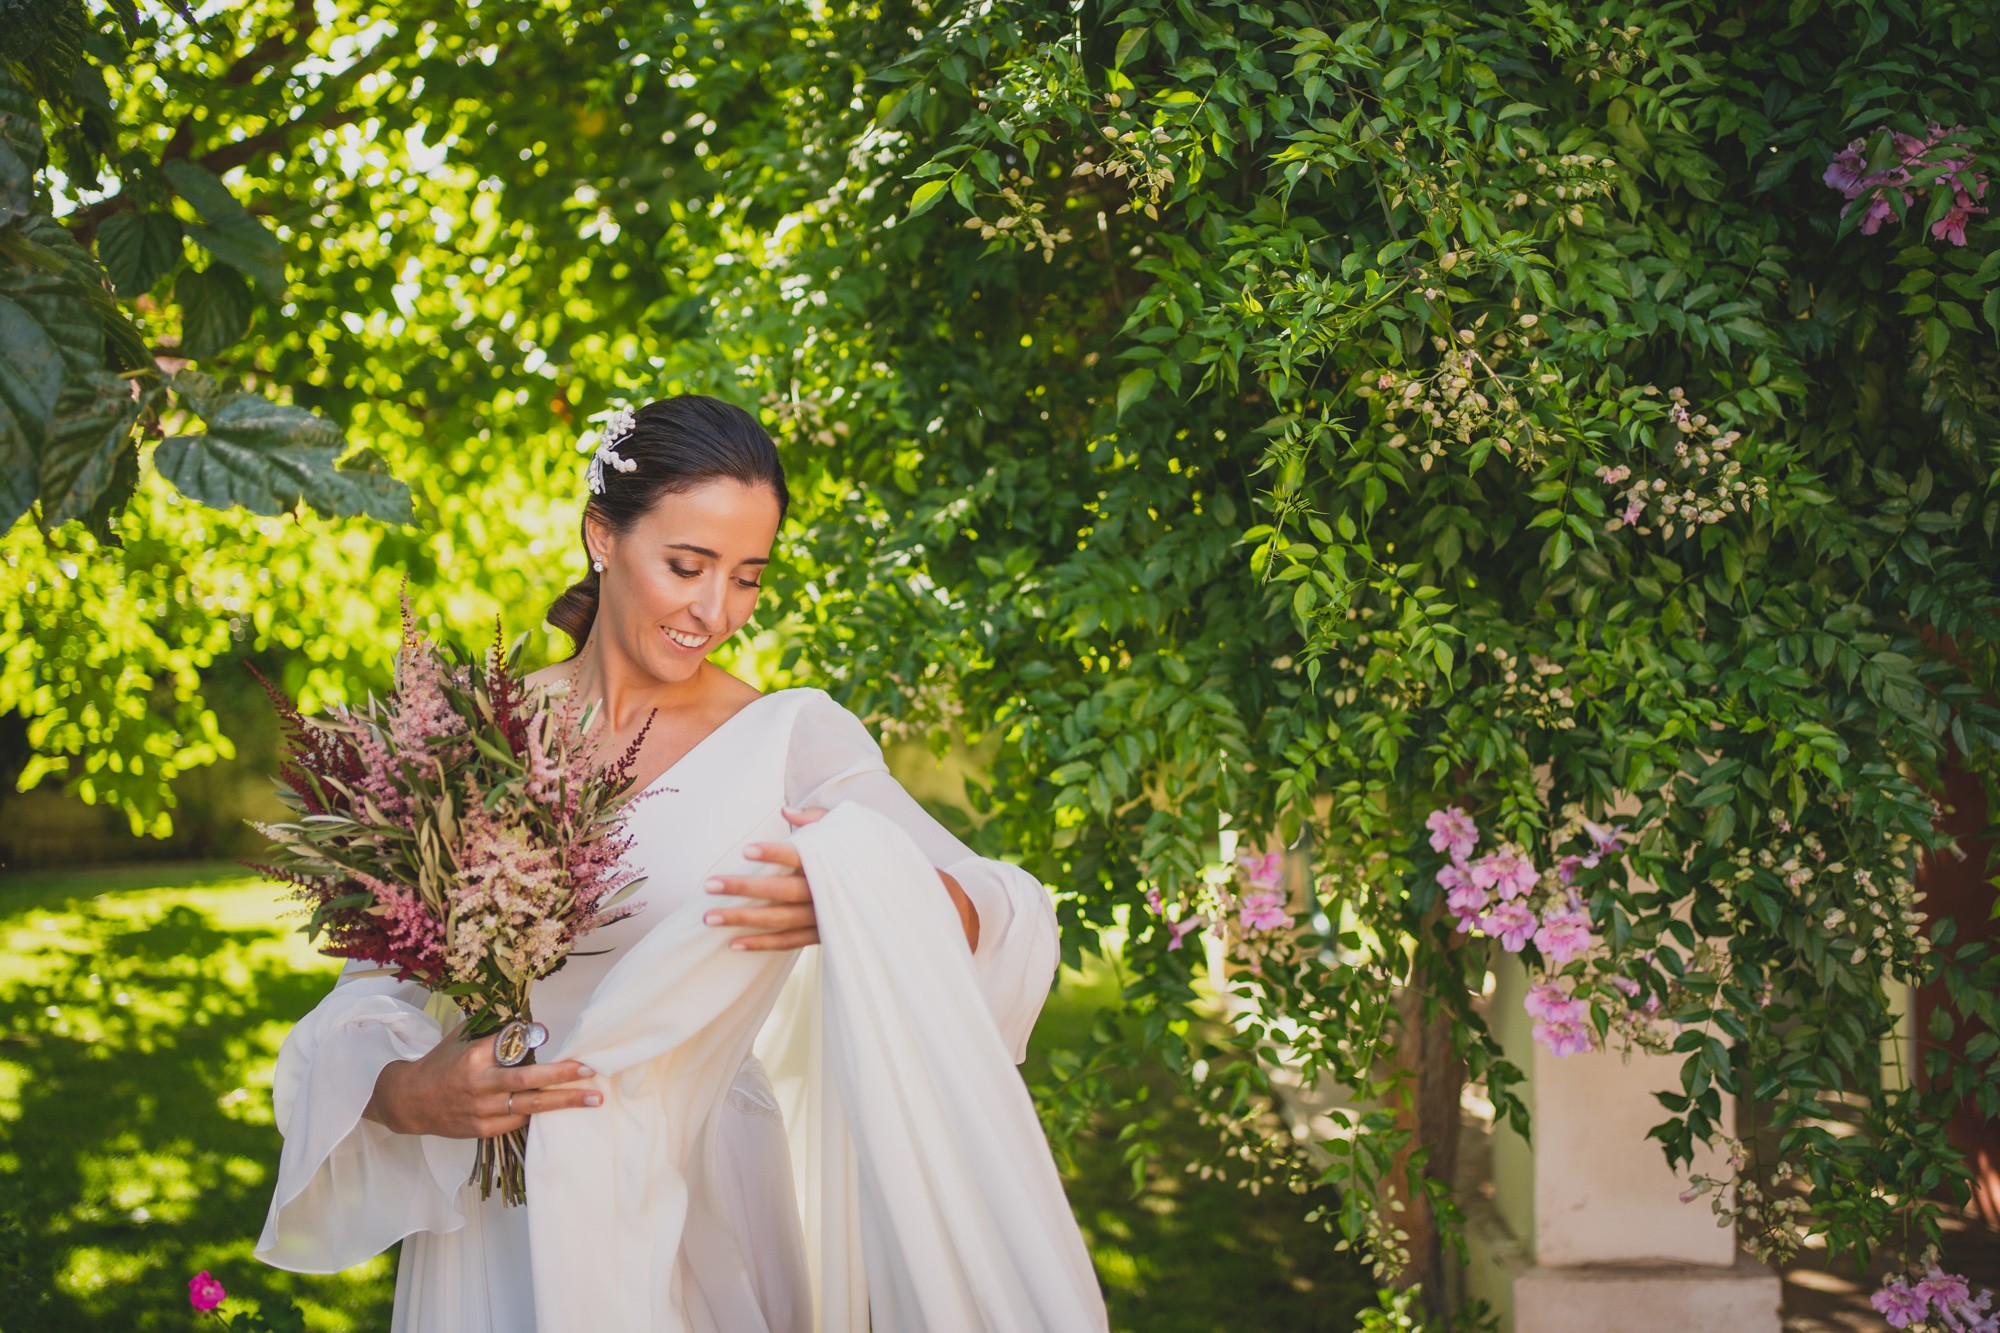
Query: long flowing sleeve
x=349 y=1188
x=833 y=759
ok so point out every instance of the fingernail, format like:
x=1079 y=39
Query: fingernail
x=591 y=1099
x=739 y=946
x=713 y=885
x=713 y=919
x=585 y=1071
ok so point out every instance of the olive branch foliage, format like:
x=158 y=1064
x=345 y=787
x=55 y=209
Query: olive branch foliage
x=1301 y=413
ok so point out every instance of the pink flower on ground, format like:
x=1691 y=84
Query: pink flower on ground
x=1511 y=923
x=1180 y=928
x=1563 y=936
x=1453 y=831
x=1264 y=911
x=204 y=1292
x=1505 y=871
x=1899 y=1305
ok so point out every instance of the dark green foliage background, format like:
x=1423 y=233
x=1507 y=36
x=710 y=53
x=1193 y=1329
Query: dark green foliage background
x=1125 y=509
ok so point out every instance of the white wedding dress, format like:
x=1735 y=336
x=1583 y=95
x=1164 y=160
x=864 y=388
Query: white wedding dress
x=887 y=1173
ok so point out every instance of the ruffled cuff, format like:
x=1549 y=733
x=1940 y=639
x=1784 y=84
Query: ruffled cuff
x=349 y=1188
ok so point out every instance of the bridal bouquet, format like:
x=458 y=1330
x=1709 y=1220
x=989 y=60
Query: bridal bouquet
x=457 y=834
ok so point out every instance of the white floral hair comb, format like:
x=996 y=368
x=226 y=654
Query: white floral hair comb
x=617 y=427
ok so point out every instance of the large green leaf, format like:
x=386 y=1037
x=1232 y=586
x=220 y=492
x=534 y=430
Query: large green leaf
x=80 y=457
x=31 y=375
x=215 y=309
x=268 y=456
x=64 y=287
x=363 y=485
x=20 y=146
x=36 y=282
x=138 y=249
x=17 y=477
x=233 y=235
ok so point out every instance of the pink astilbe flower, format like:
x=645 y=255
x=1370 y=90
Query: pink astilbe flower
x=413 y=928
x=205 y=1293
x=1563 y=935
x=1506 y=871
x=1452 y=831
x=1264 y=911
x=1511 y=923
x=459 y=833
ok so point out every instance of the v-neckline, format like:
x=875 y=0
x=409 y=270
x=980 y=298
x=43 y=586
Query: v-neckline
x=713 y=732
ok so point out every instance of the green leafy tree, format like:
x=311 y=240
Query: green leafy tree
x=1311 y=417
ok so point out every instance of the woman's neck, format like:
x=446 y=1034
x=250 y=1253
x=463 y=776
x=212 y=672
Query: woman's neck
x=626 y=693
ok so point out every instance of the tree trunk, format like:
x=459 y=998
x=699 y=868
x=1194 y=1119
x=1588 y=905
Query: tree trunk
x=1434 y=1075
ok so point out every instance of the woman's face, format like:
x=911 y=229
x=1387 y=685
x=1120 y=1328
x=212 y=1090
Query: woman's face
x=685 y=577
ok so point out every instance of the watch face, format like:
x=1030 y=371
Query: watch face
x=513 y=1043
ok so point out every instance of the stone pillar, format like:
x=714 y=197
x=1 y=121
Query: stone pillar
x=1584 y=1229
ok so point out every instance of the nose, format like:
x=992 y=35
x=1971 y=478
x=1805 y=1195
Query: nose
x=706 y=608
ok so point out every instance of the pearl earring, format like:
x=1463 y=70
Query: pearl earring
x=597 y=566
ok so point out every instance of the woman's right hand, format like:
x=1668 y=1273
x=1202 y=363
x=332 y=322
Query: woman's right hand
x=459 y=1091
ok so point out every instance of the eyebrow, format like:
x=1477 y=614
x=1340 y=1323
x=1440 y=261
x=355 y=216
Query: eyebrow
x=703 y=550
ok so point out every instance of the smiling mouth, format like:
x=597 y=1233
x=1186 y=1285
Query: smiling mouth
x=688 y=641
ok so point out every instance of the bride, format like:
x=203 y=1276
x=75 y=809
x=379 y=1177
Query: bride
x=885 y=1172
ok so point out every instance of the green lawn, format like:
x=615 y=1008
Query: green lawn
x=140 y=1010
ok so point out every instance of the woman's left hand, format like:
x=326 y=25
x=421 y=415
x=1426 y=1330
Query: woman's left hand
x=786 y=919
x=783 y=917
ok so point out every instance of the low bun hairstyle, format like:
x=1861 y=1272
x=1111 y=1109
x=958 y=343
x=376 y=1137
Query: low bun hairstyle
x=678 y=444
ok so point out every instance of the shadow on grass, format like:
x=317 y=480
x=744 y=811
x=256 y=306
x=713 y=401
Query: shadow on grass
x=140 y=1012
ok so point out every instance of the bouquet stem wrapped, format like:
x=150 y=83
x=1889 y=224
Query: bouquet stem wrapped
x=459 y=835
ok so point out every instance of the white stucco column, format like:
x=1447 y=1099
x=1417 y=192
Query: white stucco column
x=1583 y=1230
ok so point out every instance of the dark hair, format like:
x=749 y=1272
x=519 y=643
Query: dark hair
x=678 y=443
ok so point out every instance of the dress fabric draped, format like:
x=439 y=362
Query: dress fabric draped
x=890 y=1176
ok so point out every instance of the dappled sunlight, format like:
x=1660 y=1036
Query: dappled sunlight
x=140 y=1013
